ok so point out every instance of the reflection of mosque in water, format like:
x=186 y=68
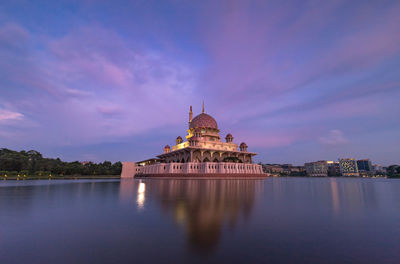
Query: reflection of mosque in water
x=205 y=208
x=202 y=207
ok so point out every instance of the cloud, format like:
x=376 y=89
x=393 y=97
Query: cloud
x=275 y=73
x=295 y=54
x=110 y=110
x=92 y=85
x=6 y=115
x=275 y=138
x=13 y=37
x=77 y=93
x=334 y=138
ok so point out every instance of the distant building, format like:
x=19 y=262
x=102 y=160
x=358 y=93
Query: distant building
x=272 y=168
x=287 y=168
x=348 y=167
x=297 y=169
x=364 y=165
x=317 y=168
x=365 y=168
x=333 y=169
x=284 y=169
x=378 y=169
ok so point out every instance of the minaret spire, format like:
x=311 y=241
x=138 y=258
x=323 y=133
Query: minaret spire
x=190 y=116
x=203 y=106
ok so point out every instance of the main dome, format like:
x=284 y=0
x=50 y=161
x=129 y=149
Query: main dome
x=203 y=120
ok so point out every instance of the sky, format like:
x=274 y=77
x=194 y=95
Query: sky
x=297 y=81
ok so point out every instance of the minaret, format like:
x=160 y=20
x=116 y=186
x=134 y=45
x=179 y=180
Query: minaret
x=190 y=116
x=203 y=106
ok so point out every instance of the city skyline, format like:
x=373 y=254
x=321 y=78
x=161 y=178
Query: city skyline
x=297 y=81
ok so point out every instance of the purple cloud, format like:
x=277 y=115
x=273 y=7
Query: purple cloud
x=335 y=137
x=87 y=83
x=277 y=75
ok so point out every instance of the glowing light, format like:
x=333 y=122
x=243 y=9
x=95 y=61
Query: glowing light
x=142 y=188
x=180 y=146
x=141 y=195
x=180 y=213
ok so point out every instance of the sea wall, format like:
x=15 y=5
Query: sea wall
x=128 y=169
x=193 y=168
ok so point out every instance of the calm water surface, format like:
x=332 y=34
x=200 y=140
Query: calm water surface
x=277 y=220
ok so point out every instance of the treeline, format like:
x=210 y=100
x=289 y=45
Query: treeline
x=393 y=171
x=32 y=163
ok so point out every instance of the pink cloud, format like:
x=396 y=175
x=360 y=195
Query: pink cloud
x=89 y=77
x=6 y=115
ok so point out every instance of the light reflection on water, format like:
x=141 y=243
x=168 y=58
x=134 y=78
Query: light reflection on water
x=141 y=195
x=277 y=220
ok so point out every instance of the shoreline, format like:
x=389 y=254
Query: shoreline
x=99 y=177
x=169 y=177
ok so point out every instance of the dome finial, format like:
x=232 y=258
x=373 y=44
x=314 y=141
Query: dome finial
x=203 y=106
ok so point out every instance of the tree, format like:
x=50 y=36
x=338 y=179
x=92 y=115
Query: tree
x=32 y=162
x=393 y=171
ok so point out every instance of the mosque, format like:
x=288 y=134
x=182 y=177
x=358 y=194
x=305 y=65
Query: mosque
x=202 y=154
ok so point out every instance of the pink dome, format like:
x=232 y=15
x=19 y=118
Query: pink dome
x=204 y=120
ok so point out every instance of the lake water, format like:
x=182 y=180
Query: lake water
x=276 y=220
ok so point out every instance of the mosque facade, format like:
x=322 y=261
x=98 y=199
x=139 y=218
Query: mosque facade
x=203 y=152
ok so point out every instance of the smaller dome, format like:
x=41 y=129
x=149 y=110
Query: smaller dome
x=243 y=144
x=178 y=140
x=229 y=136
x=167 y=149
